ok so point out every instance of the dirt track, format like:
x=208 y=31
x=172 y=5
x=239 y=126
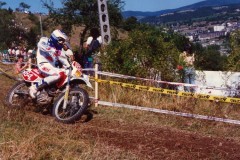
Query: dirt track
x=155 y=142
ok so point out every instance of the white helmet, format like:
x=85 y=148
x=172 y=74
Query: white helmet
x=57 y=39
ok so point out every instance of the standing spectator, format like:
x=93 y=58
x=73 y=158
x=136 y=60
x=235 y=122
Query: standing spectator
x=29 y=53
x=24 y=53
x=92 y=45
x=33 y=56
x=187 y=59
x=10 y=50
x=11 y=54
x=17 y=51
x=5 y=55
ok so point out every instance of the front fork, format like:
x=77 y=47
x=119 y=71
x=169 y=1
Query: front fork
x=66 y=96
x=67 y=89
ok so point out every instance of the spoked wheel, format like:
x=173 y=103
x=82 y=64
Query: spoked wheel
x=18 y=95
x=77 y=104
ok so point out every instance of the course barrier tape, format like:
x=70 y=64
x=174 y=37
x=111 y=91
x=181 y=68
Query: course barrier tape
x=145 y=79
x=173 y=92
x=109 y=74
x=2 y=71
x=7 y=75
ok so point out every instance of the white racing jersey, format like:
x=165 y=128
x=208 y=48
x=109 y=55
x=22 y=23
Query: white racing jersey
x=48 y=54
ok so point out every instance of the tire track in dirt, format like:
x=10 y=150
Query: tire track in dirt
x=154 y=142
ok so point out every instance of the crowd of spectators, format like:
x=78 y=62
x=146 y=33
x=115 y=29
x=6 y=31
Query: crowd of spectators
x=12 y=54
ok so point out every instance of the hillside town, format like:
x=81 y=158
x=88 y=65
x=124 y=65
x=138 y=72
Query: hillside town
x=210 y=32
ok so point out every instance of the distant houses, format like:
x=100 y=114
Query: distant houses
x=208 y=33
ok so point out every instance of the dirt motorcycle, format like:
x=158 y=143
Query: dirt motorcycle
x=66 y=97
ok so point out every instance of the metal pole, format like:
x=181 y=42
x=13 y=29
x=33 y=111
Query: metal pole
x=41 y=25
x=96 y=86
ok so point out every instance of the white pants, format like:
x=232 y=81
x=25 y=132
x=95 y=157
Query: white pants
x=52 y=73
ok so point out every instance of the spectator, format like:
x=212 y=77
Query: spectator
x=20 y=66
x=5 y=55
x=17 y=51
x=92 y=45
x=1 y=55
x=78 y=58
x=33 y=56
x=24 y=53
x=9 y=51
x=30 y=58
x=11 y=54
x=187 y=60
x=29 y=53
x=67 y=51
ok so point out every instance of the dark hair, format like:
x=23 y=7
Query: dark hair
x=94 y=32
x=20 y=56
x=188 y=48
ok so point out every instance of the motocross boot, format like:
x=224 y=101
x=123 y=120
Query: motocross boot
x=33 y=90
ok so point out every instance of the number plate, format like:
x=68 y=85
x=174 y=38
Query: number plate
x=78 y=74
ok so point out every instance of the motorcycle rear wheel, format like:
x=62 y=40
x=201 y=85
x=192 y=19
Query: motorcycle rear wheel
x=18 y=95
x=78 y=100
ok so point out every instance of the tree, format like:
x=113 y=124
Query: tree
x=31 y=37
x=234 y=58
x=2 y=4
x=144 y=51
x=179 y=40
x=23 y=6
x=130 y=23
x=12 y=34
x=5 y=26
x=83 y=13
x=209 y=58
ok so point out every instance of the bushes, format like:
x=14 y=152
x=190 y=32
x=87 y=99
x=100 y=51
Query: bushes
x=145 y=49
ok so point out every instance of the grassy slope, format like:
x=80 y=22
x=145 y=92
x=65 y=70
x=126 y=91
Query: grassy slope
x=31 y=135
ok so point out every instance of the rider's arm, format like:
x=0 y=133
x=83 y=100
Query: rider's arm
x=69 y=54
x=63 y=59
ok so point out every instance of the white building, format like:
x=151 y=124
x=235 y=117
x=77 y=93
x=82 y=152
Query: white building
x=218 y=28
x=190 y=38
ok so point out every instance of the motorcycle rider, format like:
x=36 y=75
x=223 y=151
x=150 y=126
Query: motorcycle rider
x=48 y=56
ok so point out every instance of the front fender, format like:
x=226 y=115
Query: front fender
x=81 y=80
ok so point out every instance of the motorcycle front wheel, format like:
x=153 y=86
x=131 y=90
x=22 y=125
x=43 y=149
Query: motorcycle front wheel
x=78 y=100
